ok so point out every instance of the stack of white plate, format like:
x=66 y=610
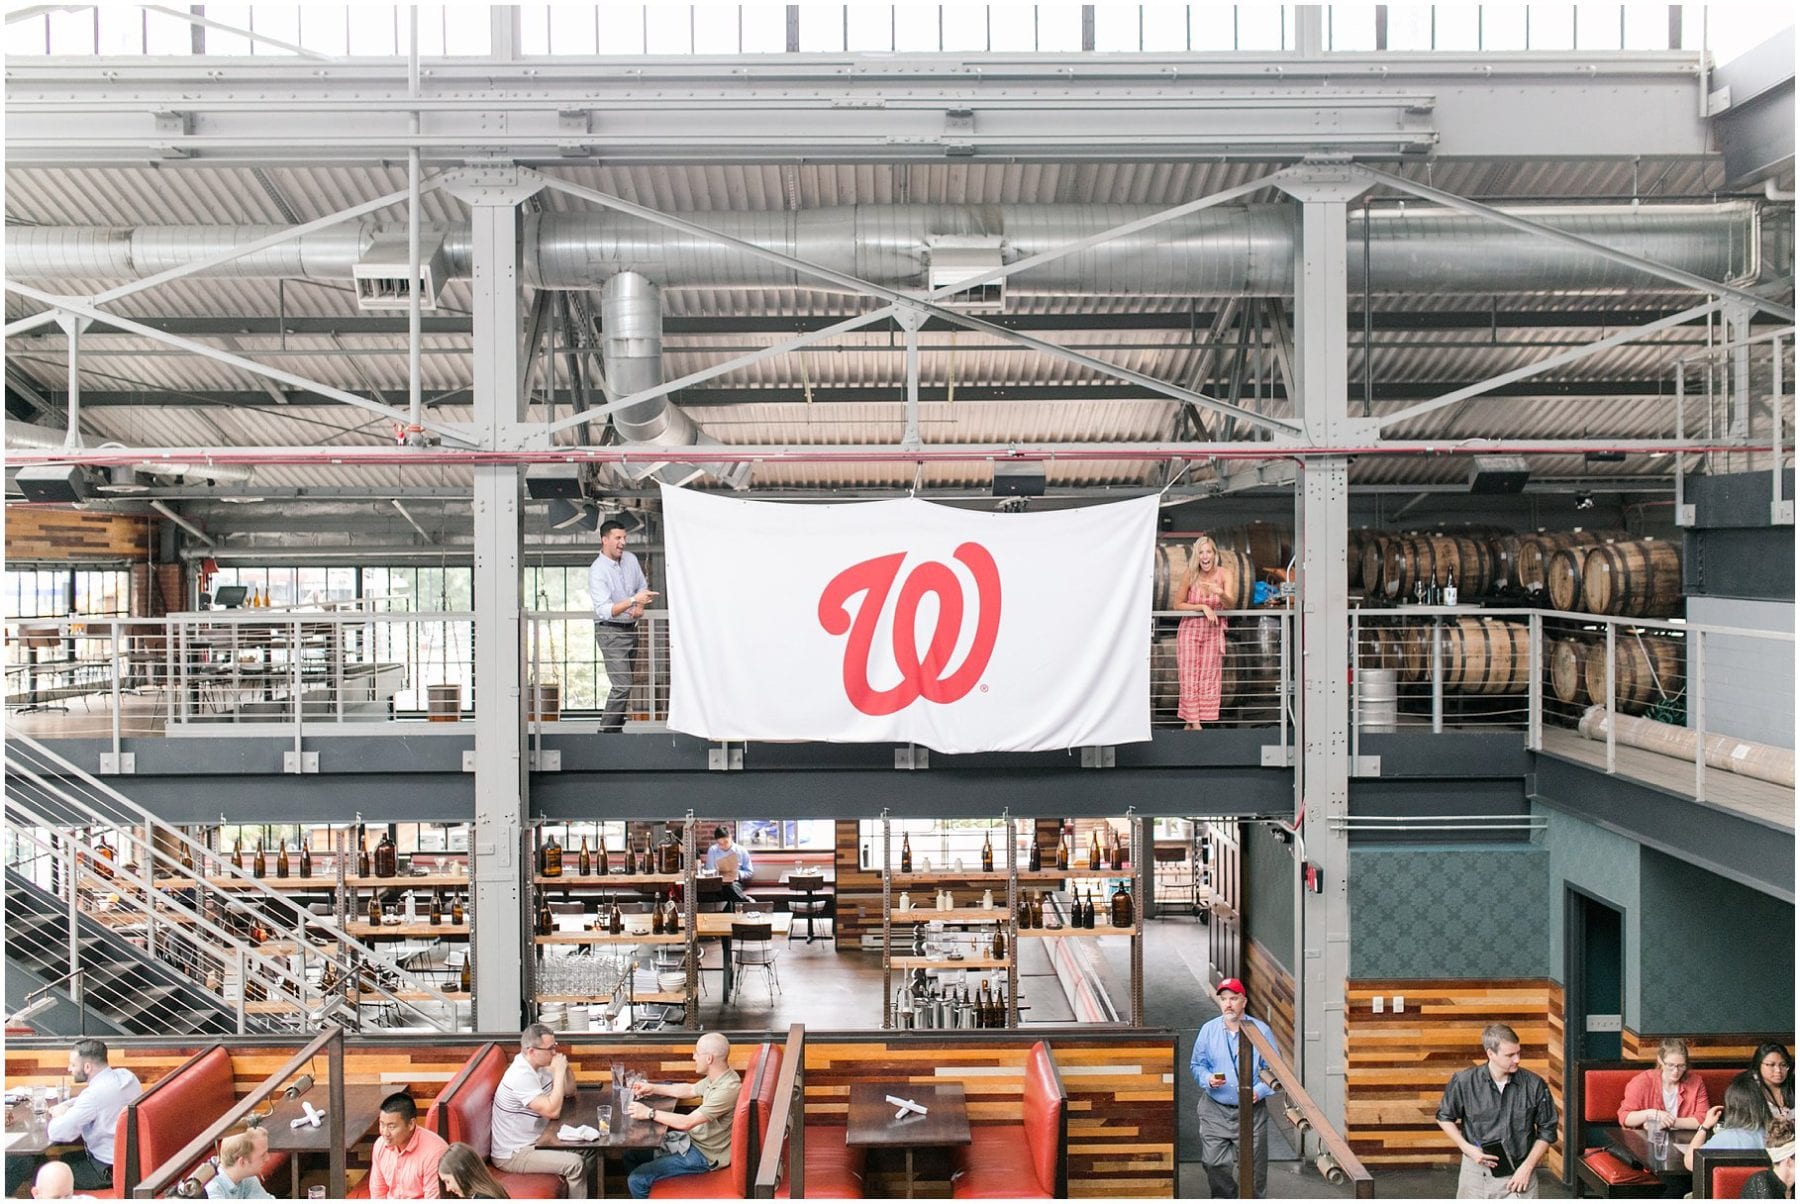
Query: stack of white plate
x=578 y=1019
x=556 y=1015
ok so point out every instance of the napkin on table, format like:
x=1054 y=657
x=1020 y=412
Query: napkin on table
x=578 y=1133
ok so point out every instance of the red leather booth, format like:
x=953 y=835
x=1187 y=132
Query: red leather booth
x=173 y=1113
x=834 y=1170
x=1028 y=1160
x=1720 y=1174
x=466 y=1114
x=749 y=1125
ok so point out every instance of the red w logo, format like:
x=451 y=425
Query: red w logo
x=920 y=677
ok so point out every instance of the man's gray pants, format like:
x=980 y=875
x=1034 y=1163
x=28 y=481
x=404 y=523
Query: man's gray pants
x=618 y=647
x=1219 y=1147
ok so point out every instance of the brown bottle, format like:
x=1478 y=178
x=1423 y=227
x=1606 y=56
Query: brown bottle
x=615 y=923
x=305 y=860
x=259 y=865
x=387 y=859
x=237 y=853
x=1087 y=915
x=983 y=1004
x=656 y=920
x=375 y=908
x=1118 y=852
x=437 y=909
x=104 y=856
x=600 y=866
x=328 y=979
x=1001 y=1019
x=1036 y=863
x=1062 y=852
x=906 y=854
x=545 y=923
x=584 y=861
x=465 y=980
x=362 y=855
x=987 y=854
x=457 y=915
x=669 y=854
x=1094 y=849
x=1037 y=910
x=999 y=949
x=1121 y=907
x=550 y=859
x=281 y=861
x=1024 y=911
x=672 y=918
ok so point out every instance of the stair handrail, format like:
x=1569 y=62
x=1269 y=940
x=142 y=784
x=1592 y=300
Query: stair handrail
x=203 y=855
x=273 y=974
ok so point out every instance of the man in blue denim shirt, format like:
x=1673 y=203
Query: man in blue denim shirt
x=1215 y=1067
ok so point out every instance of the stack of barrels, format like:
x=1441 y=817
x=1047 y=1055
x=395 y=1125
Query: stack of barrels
x=1476 y=655
x=1648 y=668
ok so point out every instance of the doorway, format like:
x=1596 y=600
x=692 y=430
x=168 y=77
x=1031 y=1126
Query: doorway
x=1594 y=977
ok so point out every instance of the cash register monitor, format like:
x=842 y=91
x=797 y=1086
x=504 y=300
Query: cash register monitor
x=230 y=597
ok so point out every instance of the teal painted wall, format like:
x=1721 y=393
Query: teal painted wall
x=1718 y=957
x=1269 y=868
x=1449 y=911
x=1605 y=866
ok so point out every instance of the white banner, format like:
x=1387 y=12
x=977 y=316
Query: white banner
x=903 y=621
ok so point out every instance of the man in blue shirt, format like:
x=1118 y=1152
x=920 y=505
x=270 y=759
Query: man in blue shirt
x=721 y=848
x=1215 y=1067
x=92 y=1116
x=619 y=592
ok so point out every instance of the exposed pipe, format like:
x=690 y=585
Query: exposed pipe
x=21 y=435
x=1226 y=251
x=415 y=429
x=411 y=521
x=168 y=513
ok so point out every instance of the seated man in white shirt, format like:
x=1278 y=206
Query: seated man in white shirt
x=530 y=1096
x=92 y=1116
x=717 y=853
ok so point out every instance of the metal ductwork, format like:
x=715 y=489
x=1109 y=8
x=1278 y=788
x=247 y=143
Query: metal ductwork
x=1225 y=251
x=28 y=435
x=631 y=323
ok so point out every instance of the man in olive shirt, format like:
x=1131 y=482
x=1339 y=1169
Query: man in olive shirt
x=1498 y=1102
x=698 y=1141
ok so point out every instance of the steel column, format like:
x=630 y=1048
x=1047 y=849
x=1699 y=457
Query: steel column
x=502 y=797
x=1322 y=780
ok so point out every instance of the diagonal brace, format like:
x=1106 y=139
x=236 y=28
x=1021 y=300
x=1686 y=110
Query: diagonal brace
x=1544 y=365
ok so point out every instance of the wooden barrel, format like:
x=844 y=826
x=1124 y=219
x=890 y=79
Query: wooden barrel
x=1374 y=560
x=1532 y=563
x=1567 y=668
x=1415 y=652
x=1251 y=679
x=1165 y=681
x=1505 y=551
x=1562 y=576
x=1646 y=670
x=1486 y=656
x=1439 y=560
x=1353 y=556
x=1171 y=566
x=1640 y=578
x=1267 y=544
x=1378 y=646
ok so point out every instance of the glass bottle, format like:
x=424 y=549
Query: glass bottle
x=457 y=914
x=259 y=865
x=1094 y=850
x=545 y=924
x=987 y=854
x=906 y=854
x=668 y=853
x=375 y=908
x=465 y=979
x=237 y=853
x=1037 y=910
x=1062 y=852
x=1025 y=911
x=305 y=860
x=600 y=866
x=281 y=861
x=998 y=952
x=1036 y=860
x=387 y=857
x=983 y=1004
x=362 y=855
x=672 y=916
x=1087 y=915
x=616 y=922
x=550 y=859
x=104 y=856
x=656 y=920
x=1122 y=909
x=436 y=914
x=1118 y=852
x=584 y=860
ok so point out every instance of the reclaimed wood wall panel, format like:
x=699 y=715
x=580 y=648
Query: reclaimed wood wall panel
x=1271 y=996
x=71 y=535
x=1397 y=1065
x=1732 y=1047
x=1121 y=1096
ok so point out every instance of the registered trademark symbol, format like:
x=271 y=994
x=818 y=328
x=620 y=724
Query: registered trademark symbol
x=984 y=687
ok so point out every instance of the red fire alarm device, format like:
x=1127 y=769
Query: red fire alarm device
x=1315 y=878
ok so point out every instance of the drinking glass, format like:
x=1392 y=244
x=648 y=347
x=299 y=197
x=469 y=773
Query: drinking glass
x=40 y=1100
x=603 y=1119
x=1659 y=1141
x=316 y=1192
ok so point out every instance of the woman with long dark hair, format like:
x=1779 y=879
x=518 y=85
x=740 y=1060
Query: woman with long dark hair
x=1735 y=1125
x=1774 y=1071
x=465 y=1175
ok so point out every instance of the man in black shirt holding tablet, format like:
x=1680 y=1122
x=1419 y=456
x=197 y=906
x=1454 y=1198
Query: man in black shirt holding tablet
x=1501 y=1119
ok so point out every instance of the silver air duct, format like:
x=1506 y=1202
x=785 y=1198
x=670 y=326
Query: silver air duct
x=1227 y=251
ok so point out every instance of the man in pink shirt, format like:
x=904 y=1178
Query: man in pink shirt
x=405 y=1162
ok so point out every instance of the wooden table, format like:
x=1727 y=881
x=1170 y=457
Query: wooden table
x=627 y=1134
x=871 y=1122
x=362 y=1108
x=28 y=1134
x=1674 y=1175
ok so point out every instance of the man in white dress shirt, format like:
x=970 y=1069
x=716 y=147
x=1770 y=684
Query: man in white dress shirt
x=620 y=593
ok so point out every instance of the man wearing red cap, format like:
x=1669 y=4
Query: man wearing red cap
x=1215 y=1067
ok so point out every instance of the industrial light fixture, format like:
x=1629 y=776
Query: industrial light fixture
x=1498 y=474
x=1584 y=501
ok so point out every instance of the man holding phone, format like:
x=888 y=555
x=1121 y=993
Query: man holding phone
x=1500 y=1116
x=1215 y=1067
x=619 y=592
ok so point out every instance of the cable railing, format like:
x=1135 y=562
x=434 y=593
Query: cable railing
x=154 y=877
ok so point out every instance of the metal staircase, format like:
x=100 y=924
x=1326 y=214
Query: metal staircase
x=157 y=933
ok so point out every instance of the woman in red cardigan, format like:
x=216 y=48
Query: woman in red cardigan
x=1666 y=1093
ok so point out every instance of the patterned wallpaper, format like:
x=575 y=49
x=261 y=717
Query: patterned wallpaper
x=1449 y=912
x=1718 y=957
x=1269 y=870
